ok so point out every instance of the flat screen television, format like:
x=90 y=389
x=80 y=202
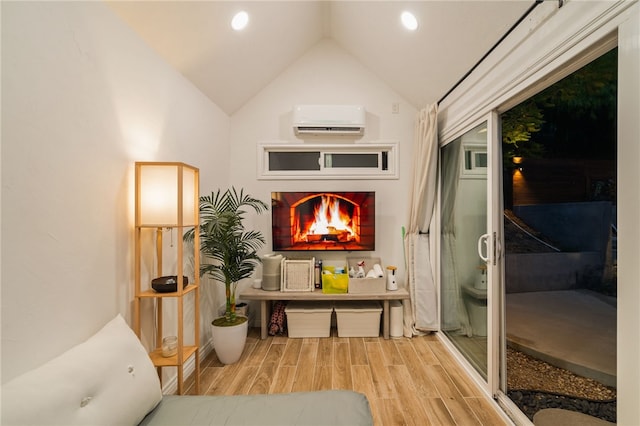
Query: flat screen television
x=331 y=220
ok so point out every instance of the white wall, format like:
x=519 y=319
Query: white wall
x=327 y=74
x=83 y=99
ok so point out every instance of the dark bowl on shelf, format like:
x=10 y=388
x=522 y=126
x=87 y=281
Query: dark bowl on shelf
x=167 y=284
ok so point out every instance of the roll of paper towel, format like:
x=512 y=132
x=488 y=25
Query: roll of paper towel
x=378 y=270
x=396 y=319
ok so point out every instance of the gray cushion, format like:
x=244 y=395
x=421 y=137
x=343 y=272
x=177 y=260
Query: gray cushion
x=335 y=407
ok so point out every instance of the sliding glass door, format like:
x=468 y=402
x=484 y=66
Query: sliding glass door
x=468 y=250
x=575 y=34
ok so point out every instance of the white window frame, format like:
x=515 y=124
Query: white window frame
x=391 y=172
x=475 y=172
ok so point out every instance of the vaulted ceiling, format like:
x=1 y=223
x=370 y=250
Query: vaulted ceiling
x=230 y=67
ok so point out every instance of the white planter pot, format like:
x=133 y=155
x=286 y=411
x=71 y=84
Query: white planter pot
x=228 y=342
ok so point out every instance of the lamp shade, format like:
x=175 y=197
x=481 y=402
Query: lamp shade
x=166 y=194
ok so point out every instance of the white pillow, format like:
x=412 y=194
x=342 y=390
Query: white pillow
x=107 y=380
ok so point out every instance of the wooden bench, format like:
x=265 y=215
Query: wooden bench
x=266 y=297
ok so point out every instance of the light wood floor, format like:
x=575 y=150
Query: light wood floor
x=407 y=381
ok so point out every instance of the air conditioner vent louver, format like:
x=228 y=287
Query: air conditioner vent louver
x=329 y=129
x=329 y=120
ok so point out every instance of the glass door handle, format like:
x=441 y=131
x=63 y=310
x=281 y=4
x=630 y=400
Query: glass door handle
x=483 y=241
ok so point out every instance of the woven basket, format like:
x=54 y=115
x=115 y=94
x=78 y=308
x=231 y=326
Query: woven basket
x=297 y=275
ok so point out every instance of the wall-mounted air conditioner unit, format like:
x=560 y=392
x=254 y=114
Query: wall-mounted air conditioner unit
x=329 y=120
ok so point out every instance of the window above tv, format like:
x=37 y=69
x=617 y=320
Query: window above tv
x=328 y=161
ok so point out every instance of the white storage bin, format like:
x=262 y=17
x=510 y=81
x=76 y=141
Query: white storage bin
x=358 y=319
x=366 y=285
x=309 y=318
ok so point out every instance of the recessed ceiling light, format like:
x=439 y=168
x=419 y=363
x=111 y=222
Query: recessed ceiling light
x=409 y=21
x=240 y=20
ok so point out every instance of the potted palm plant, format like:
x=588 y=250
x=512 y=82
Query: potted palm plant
x=232 y=251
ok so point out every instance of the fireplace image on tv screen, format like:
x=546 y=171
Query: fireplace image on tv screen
x=323 y=221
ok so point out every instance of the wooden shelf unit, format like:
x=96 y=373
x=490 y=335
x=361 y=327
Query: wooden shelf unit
x=185 y=218
x=161 y=361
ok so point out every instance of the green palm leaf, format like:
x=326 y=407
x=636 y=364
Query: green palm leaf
x=224 y=240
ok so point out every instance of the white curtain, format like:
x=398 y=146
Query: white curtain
x=454 y=314
x=421 y=310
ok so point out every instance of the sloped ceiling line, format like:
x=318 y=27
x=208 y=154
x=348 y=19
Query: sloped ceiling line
x=513 y=27
x=232 y=67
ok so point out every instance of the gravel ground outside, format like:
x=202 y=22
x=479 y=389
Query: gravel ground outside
x=526 y=372
x=533 y=385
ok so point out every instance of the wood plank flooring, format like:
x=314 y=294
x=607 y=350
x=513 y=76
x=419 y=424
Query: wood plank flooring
x=407 y=381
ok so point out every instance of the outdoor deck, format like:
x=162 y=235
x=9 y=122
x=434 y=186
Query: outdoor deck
x=572 y=329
